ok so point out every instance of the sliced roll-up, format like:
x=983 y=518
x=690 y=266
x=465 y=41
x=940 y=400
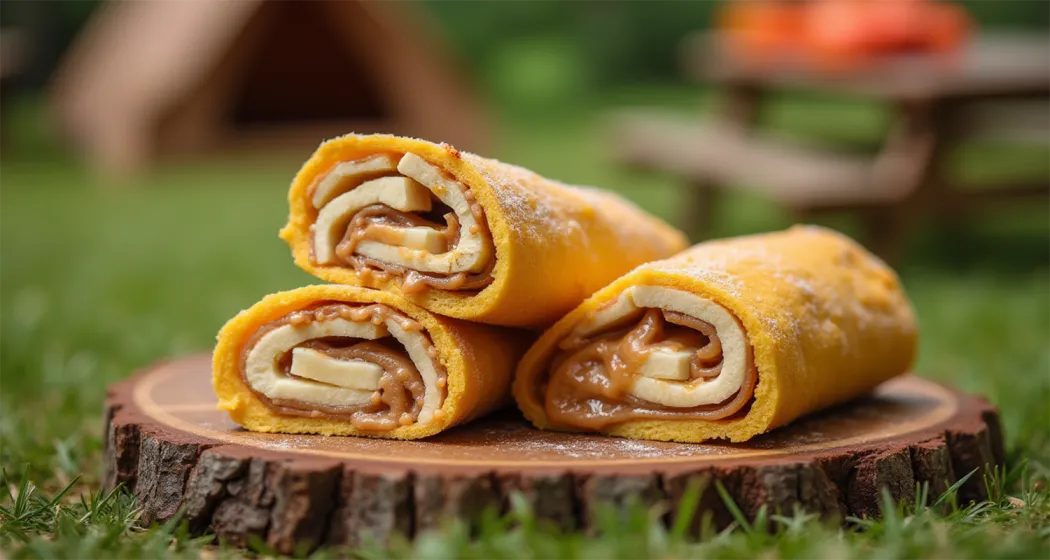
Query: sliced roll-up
x=726 y=340
x=345 y=360
x=461 y=235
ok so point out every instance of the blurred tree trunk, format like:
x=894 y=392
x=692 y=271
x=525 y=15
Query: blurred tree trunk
x=36 y=23
x=48 y=27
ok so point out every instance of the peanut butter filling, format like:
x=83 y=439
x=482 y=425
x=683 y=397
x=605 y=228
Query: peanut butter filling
x=396 y=215
x=593 y=377
x=379 y=382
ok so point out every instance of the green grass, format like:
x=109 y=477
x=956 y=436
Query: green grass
x=98 y=280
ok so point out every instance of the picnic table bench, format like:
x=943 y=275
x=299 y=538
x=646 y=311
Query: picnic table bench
x=935 y=105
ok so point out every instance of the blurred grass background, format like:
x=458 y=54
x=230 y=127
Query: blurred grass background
x=97 y=280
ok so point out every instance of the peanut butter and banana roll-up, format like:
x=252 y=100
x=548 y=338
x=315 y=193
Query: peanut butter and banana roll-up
x=345 y=360
x=462 y=235
x=726 y=340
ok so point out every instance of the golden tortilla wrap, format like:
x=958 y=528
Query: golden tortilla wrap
x=728 y=339
x=461 y=235
x=344 y=360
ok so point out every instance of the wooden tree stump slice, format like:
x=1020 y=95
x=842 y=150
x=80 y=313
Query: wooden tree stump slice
x=168 y=443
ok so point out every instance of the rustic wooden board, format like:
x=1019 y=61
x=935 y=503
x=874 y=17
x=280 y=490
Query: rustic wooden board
x=169 y=445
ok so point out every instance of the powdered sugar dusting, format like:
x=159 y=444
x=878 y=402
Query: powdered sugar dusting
x=806 y=292
x=522 y=195
x=567 y=219
x=552 y=445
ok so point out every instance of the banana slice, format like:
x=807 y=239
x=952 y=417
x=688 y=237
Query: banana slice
x=734 y=351
x=342 y=384
x=660 y=379
x=471 y=253
x=425 y=239
x=261 y=365
x=351 y=374
x=419 y=238
x=667 y=364
x=316 y=393
x=421 y=249
x=399 y=193
x=349 y=174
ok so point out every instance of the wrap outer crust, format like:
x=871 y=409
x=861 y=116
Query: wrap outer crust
x=555 y=244
x=827 y=322
x=479 y=361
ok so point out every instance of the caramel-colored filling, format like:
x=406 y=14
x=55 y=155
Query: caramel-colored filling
x=384 y=224
x=401 y=390
x=591 y=376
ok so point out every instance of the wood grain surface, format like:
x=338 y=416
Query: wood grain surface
x=167 y=443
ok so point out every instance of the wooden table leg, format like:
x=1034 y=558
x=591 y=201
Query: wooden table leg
x=698 y=210
x=887 y=229
x=7 y=138
x=740 y=105
x=909 y=164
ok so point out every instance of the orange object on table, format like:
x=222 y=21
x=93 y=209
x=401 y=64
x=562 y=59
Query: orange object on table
x=761 y=29
x=835 y=33
x=841 y=34
x=948 y=27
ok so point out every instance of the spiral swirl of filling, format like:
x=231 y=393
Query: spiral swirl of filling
x=652 y=354
x=368 y=364
x=398 y=215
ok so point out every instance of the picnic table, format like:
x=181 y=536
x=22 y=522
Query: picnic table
x=936 y=104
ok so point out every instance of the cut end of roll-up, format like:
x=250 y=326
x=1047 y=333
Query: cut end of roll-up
x=726 y=340
x=652 y=353
x=461 y=235
x=396 y=215
x=342 y=360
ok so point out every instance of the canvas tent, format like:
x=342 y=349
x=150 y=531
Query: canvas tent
x=148 y=79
